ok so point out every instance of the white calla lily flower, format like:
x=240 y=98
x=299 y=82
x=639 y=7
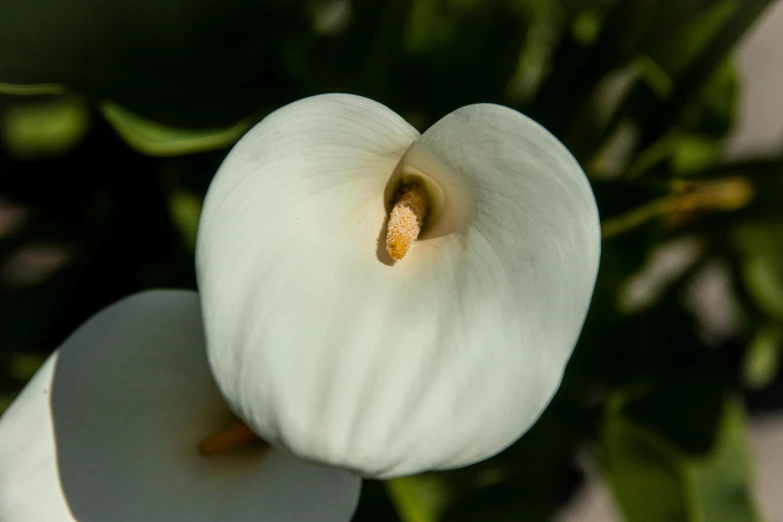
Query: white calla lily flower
x=108 y=431
x=326 y=346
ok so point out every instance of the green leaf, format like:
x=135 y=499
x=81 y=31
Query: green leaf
x=687 y=152
x=31 y=89
x=720 y=482
x=653 y=481
x=43 y=128
x=693 y=37
x=763 y=357
x=655 y=76
x=156 y=139
x=586 y=27
x=185 y=211
x=534 y=61
x=701 y=68
x=761 y=245
x=716 y=110
x=695 y=153
x=704 y=94
x=686 y=409
x=764 y=280
x=639 y=470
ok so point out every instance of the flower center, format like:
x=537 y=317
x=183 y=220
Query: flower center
x=405 y=220
x=236 y=435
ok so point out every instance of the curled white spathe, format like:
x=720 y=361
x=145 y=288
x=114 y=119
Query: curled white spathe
x=108 y=429
x=440 y=360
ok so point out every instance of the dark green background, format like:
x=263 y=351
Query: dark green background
x=114 y=115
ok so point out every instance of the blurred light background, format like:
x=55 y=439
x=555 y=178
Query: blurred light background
x=114 y=115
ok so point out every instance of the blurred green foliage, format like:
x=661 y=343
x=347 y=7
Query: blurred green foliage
x=114 y=115
x=654 y=480
x=43 y=127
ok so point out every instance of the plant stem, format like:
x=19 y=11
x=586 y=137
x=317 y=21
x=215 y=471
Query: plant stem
x=688 y=197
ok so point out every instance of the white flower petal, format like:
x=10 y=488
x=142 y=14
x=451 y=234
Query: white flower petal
x=107 y=431
x=444 y=358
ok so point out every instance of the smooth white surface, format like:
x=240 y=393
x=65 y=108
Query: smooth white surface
x=107 y=431
x=439 y=361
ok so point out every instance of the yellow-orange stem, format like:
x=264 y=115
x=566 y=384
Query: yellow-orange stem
x=231 y=437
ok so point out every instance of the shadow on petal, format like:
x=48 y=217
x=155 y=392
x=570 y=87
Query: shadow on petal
x=131 y=398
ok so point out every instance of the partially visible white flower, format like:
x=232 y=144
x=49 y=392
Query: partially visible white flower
x=327 y=347
x=108 y=430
